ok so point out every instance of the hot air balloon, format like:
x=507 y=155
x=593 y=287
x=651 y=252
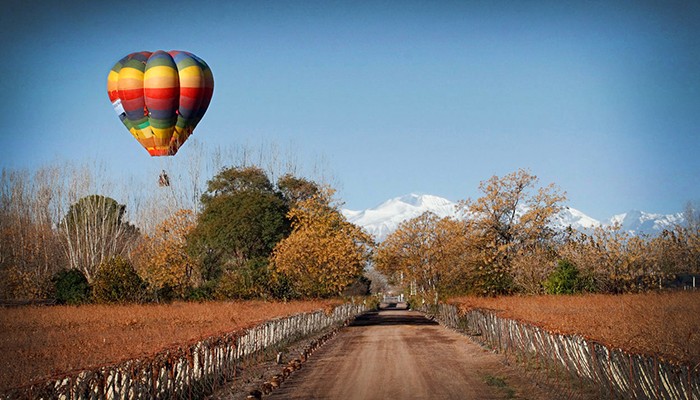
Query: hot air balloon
x=160 y=97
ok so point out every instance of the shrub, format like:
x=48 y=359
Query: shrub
x=247 y=280
x=204 y=292
x=372 y=302
x=564 y=280
x=71 y=287
x=231 y=285
x=116 y=281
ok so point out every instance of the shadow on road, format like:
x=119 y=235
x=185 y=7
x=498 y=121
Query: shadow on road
x=392 y=317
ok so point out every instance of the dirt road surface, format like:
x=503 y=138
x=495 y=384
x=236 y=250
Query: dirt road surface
x=400 y=354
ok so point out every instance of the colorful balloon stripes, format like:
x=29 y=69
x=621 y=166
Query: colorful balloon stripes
x=160 y=97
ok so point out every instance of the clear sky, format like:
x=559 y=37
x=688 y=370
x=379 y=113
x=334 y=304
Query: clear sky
x=602 y=98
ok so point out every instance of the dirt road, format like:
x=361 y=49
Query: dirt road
x=399 y=354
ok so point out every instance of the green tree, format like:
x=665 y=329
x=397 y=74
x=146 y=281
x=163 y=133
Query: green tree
x=244 y=217
x=71 y=287
x=564 y=280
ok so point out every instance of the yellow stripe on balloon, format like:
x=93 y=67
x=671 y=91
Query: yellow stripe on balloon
x=130 y=73
x=161 y=77
x=134 y=133
x=192 y=72
x=163 y=133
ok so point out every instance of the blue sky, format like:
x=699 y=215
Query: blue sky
x=602 y=98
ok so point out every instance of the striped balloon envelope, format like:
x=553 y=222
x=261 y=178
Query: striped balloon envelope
x=160 y=97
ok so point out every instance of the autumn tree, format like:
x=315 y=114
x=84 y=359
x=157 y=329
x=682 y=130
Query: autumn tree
x=685 y=241
x=34 y=241
x=427 y=254
x=512 y=218
x=162 y=258
x=325 y=253
x=94 y=230
x=30 y=249
x=611 y=260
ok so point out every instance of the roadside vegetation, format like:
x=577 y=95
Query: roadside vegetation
x=253 y=233
x=249 y=238
x=507 y=246
x=254 y=244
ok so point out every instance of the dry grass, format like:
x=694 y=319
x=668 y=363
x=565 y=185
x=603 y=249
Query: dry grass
x=662 y=324
x=39 y=342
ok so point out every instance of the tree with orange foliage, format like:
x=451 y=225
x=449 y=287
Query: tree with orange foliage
x=511 y=218
x=325 y=253
x=427 y=254
x=162 y=259
x=614 y=261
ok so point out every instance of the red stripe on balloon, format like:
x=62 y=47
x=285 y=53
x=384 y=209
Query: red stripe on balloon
x=130 y=94
x=191 y=91
x=162 y=93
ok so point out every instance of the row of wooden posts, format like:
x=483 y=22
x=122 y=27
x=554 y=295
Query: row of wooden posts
x=615 y=372
x=186 y=372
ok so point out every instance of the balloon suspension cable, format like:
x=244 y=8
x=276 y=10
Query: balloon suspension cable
x=166 y=182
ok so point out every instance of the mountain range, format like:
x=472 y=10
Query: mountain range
x=382 y=220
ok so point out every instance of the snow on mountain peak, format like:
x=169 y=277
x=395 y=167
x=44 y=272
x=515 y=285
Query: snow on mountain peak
x=386 y=217
x=640 y=222
x=576 y=219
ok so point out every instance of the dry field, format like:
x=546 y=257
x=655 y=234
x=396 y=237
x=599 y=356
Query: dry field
x=39 y=342
x=662 y=324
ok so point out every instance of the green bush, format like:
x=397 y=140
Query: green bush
x=564 y=280
x=249 y=279
x=203 y=292
x=116 y=281
x=71 y=287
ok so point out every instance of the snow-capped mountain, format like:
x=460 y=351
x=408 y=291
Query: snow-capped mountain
x=385 y=218
x=575 y=219
x=640 y=222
